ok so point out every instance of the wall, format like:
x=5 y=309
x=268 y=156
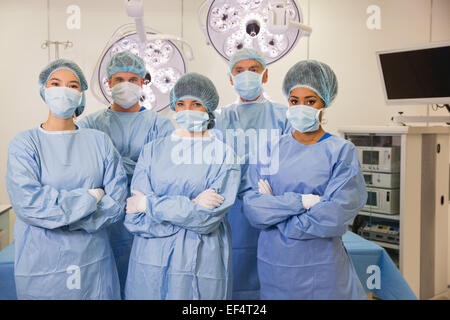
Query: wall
x=340 y=38
x=441 y=32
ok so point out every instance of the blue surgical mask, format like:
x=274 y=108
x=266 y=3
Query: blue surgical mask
x=62 y=101
x=304 y=118
x=192 y=121
x=126 y=94
x=248 y=84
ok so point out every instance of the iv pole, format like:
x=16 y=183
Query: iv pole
x=48 y=43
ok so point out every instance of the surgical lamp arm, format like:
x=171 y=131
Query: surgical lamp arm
x=199 y=18
x=280 y=21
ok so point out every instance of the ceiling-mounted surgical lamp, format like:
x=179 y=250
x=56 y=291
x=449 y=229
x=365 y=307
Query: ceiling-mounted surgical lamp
x=165 y=60
x=272 y=27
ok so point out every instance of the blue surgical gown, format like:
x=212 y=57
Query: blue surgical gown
x=300 y=252
x=62 y=250
x=129 y=131
x=181 y=250
x=262 y=114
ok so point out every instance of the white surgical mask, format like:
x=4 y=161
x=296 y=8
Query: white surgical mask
x=192 y=121
x=304 y=118
x=62 y=101
x=248 y=84
x=126 y=94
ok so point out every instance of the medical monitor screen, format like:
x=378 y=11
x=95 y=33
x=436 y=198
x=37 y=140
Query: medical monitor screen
x=368 y=179
x=371 y=198
x=370 y=157
x=418 y=74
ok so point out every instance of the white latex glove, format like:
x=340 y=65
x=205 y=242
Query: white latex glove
x=264 y=187
x=136 y=203
x=97 y=194
x=209 y=199
x=309 y=200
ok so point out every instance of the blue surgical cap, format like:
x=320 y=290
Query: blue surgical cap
x=62 y=64
x=314 y=75
x=126 y=61
x=195 y=86
x=66 y=65
x=245 y=54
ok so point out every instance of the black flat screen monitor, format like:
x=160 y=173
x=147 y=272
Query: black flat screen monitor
x=418 y=76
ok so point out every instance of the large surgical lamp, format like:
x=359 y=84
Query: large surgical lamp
x=164 y=59
x=272 y=27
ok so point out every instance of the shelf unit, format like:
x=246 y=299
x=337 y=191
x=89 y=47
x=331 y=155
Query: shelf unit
x=422 y=218
x=394 y=217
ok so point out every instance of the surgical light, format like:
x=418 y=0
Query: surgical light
x=270 y=26
x=164 y=58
